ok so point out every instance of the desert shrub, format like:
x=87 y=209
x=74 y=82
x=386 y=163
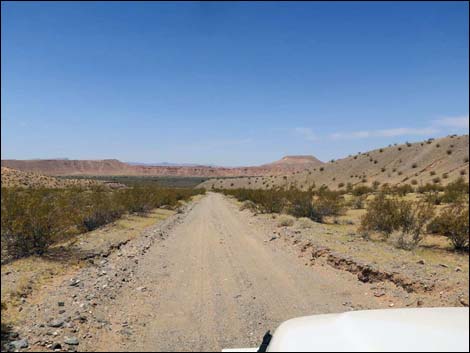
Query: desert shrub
x=100 y=207
x=433 y=198
x=341 y=185
x=300 y=204
x=414 y=182
x=381 y=215
x=293 y=201
x=465 y=160
x=429 y=188
x=387 y=215
x=456 y=191
x=402 y=190
x=414 y=165
x=327 y=203
x=358 y=202
x=362 y=190
x=412 y=220
x=285 y=221
x=463 y=172
x=453 y=223
x=33 y=219
x=436 y=180
x=449 y=152
x=432 y=173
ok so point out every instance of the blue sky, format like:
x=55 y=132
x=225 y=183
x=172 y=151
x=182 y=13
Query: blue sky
x=229 y=83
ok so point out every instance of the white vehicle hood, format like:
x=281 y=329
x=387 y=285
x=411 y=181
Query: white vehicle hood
x=433 y=329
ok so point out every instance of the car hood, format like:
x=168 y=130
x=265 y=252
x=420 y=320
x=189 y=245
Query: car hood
x=423 y=329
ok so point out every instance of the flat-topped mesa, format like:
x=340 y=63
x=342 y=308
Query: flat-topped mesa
x=298 y=159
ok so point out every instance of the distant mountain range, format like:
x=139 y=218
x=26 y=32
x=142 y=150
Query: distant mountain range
x=116 y=167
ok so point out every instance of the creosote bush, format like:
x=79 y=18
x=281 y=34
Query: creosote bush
x=453 y=223
x=387 y=215
x=294 y=202
x=33 y=219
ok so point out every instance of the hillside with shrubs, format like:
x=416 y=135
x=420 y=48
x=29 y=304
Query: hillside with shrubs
x=20 y=179
x=430 y=162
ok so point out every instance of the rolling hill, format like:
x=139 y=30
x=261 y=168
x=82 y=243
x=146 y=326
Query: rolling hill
x=432 y=161
x=18 y=178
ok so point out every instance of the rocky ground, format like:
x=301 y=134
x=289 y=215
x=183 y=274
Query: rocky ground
x=68 y=310
x=212 y=276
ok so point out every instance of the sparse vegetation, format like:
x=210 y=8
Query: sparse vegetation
x=386 y=215
x=453 y=223
x=33 y=219
x=294 y=202
x=285 y=221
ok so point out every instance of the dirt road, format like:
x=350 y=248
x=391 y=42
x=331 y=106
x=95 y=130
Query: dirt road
x=217 y=281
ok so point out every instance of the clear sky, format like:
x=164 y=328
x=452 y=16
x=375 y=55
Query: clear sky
x=229 y=83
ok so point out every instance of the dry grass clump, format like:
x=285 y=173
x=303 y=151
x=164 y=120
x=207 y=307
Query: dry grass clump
x=248 y=205
x=304 y=223
x=285 y=221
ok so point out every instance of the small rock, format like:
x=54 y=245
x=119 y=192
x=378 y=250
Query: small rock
x=71 y=341
x=421 y=262
x=443 y=265
x=56 y=323
x=74 y=282
x=56 y=345
x=463 y=301
x=60 y=303
x=458 y=269
x=19 y=344
x=362 y=277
